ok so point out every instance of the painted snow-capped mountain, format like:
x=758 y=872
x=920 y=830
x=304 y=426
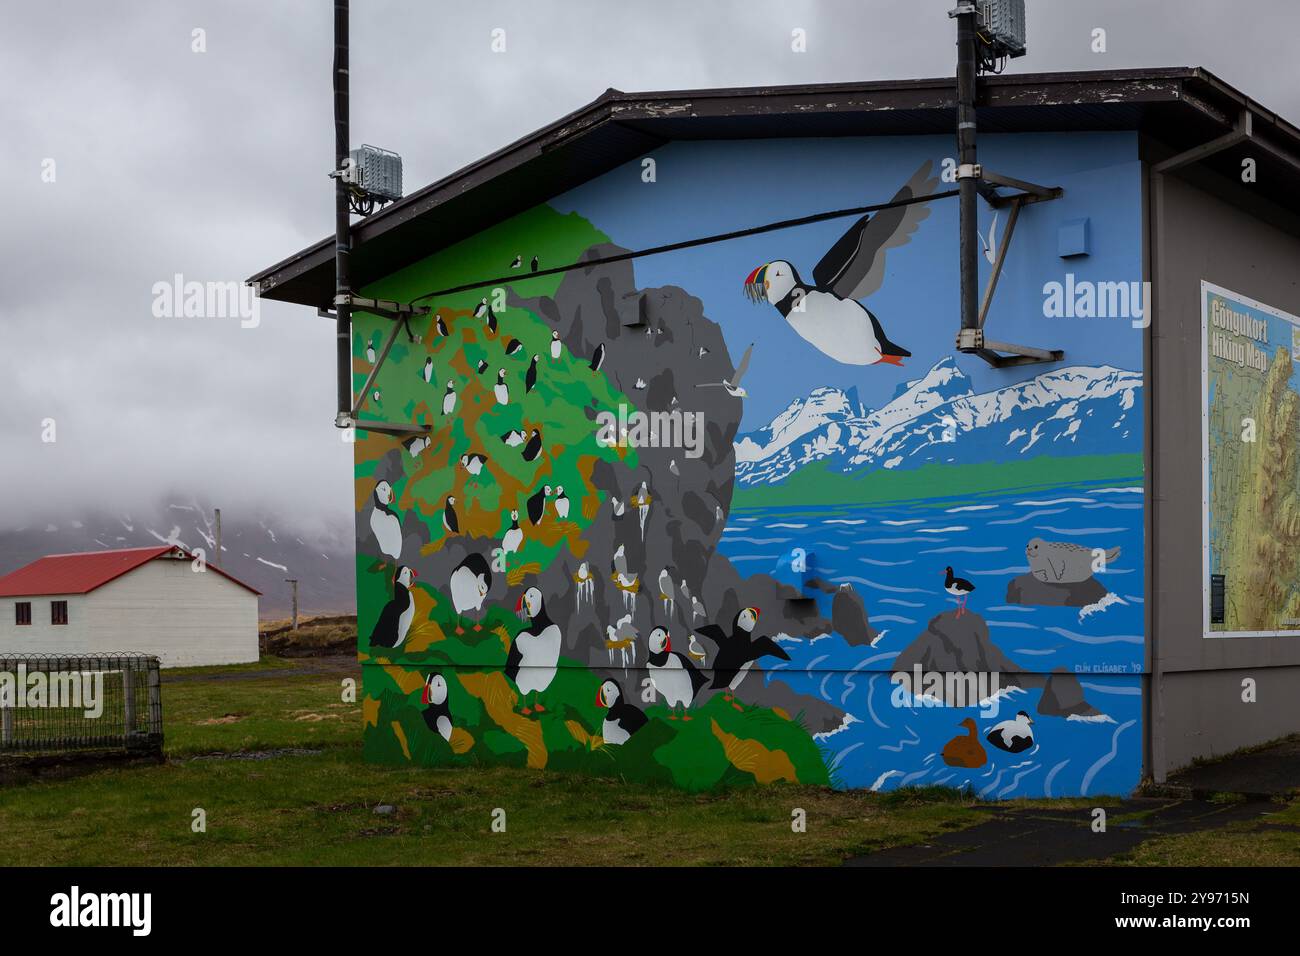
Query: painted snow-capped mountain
x=940 y=418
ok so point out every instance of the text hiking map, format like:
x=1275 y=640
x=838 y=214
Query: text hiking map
x=1251 y=375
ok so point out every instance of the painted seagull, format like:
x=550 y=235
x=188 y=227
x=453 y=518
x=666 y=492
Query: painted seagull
x=827 y=313
x=732 y=384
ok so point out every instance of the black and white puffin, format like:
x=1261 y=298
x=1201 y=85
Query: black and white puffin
x=622 y=719
x=536 y=505
x=598 y=357
x=491 y=321
x=469 y=585
x=385 y=523
x=534 y=446
x=561 y=504
x=518 y=261
x=673 y=675
x=449 y=398
x=738 y=651
x=416 y=445
x=959 y=588
x=514 y=438
x=513 y=539
x=501 y=390
x=556 y=346
x=449 y=519
x=395 y=618
x=482 y=366
x=1014 y=735
x=441 y=326
x=826 y=313
x=534 y=652
x=530 y=377
x=473 y=464
x=514 y=346
x=437 y=715
x=481 y=309
x=426 y=373
x=534 y=264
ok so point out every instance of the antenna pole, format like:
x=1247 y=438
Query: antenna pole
x=216 y=558
x=342 y=223
x=967 y=78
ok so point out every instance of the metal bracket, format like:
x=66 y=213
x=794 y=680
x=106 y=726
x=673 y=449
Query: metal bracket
x=401 y=314
x=990 y=183
x=970 y=171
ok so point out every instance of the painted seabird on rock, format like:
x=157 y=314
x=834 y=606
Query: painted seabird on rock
x=437 y=715
x=959 y=588
x=534 y=652
x=827 y=314
x=469 y=585
x=622 y=719
x=395 y=619
x=384 y=521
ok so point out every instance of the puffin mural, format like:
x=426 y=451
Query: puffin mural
x=648 y=531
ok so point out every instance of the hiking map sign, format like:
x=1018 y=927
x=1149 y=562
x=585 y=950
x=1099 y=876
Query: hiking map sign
x=1250 y=372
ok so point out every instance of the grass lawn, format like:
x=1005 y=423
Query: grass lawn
x=272 y=755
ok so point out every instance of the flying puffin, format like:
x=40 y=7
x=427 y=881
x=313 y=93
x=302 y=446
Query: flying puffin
x=672 y=674
x=959 y=588
x=1012 y=735
x=501 y=390
x=449 y=519
x=437 y=715
x=449 y=399
x=738 y=651
x=537 y=504
x=469 y=584
x=513 y=347
x=395 y=618
x=473 y=464
x=534 y=446
x=622 y=719
x=732 y=384
x=384 y=521
x=482 y=366
x=530 y=377
x=534 y=652
x=427 y=373
x=519 y=261
x=513 y=539
x=827 y=313
x=598 y=357
x=441 y=326
x=513 y=438
x=561 y=504
x=556 y=346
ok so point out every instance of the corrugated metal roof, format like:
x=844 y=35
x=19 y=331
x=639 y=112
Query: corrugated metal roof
x=84 y=572
x=1178 y=106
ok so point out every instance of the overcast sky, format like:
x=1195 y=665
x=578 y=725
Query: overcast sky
x=213 y=165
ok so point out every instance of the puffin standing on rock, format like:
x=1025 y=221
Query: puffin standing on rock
x=534 y=652
x=622 y=719
x=395 y=619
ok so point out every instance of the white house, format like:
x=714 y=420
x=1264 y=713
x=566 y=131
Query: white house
x=156 y=600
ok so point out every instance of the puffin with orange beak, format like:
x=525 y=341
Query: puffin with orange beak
x=738 y=651
x=826 y=313
x=622 y=719
x=534 y=652
x=395 y=619
x=673 y=675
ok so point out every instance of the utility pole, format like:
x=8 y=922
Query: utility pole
x=342 y=222
x=216 y=558
x=968 y=172
x=294 y=583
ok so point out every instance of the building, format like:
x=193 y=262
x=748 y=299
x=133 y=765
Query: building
x=155 y=600
x=568 y=533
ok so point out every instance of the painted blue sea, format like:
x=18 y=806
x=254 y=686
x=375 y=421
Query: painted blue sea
x=894 y=554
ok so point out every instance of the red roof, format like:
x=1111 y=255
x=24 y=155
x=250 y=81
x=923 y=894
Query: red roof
x=83 y=573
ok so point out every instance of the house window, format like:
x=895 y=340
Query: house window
x=22 y=613
x=58 y=612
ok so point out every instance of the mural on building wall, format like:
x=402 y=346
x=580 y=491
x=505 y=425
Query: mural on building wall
x=662 y=532
x=1251 y=374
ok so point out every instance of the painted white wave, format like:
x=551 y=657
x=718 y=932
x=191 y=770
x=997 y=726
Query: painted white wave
x=1096 y=607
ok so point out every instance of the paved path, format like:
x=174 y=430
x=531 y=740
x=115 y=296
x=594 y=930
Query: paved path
x=1273 y=770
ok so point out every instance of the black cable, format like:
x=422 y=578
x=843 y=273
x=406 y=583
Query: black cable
x=690 y=243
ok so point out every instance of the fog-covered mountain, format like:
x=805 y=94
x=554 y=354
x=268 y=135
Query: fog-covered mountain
x=254 y=549
x=940 y=418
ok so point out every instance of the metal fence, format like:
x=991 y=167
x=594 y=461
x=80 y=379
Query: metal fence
x=66 y=703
